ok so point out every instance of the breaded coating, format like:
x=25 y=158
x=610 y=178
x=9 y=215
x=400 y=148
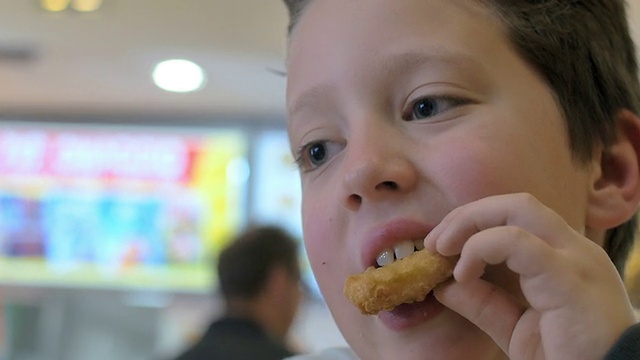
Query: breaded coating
x=403 y=281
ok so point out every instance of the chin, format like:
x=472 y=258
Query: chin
x=447 y=336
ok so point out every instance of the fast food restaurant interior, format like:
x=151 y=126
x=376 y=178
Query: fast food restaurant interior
x=136 y=137
x=136 y=173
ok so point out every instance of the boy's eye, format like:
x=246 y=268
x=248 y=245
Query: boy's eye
x=424 y=108
x=316 y=153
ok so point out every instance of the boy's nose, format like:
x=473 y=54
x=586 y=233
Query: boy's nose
x=376 y=168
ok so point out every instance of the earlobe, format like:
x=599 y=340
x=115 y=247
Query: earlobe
x=615 y=191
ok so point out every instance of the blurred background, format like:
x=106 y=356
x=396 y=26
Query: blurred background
x=136 y=137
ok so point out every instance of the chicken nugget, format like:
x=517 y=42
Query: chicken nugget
x=403 y=281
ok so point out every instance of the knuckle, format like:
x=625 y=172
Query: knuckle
x=527 y=199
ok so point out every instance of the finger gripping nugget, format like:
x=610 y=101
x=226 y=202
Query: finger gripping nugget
x=403 y=281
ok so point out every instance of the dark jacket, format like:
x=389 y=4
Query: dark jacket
x=236 y=339
x=628 y=346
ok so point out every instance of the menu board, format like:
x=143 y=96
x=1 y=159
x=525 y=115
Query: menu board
x=278 y=193
x=118 y=207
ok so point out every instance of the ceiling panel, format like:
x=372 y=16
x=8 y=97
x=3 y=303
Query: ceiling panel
x=100 y=63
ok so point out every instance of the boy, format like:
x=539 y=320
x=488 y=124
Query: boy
x=505 y=132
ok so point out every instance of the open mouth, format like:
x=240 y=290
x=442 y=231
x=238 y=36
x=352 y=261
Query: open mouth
x=399 y=251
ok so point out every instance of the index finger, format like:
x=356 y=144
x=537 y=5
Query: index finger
x=520 y=210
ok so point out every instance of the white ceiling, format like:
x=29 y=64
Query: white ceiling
x=100 y=63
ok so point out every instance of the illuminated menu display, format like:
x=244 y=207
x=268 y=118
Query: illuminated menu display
x=103 y=156
x=118 y=208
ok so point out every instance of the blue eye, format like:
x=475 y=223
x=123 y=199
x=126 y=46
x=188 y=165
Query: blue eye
x=317 y=153
x=312 y=155
x=424 y=108
x=428 y=107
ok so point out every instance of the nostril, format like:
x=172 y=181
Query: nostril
x=355 y=200
x=391 y=185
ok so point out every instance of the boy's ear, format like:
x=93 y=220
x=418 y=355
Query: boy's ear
x=615 y=190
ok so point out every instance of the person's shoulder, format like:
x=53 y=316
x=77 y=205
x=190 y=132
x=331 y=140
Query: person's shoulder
x=328 y=354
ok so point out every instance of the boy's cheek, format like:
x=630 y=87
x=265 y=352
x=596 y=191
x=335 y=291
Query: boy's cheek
x=320 y=239
x=327 y=247
x=469 y=173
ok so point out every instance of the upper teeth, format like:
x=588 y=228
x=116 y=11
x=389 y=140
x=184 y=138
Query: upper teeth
x=400 y=250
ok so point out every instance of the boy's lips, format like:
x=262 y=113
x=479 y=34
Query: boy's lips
x=389 y=234
x=409 y=315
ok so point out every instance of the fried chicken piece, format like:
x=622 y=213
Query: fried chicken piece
x=403 y=281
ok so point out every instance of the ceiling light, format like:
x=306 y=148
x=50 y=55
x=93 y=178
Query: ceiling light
x=86 y=5
x=178 y=76
x=54 y=5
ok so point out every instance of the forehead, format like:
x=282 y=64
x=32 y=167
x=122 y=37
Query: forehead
x=404 y=11
x=335 y=39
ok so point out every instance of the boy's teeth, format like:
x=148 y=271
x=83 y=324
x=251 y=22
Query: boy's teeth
x=404 y=249
x=385 y=257
x=399 y=251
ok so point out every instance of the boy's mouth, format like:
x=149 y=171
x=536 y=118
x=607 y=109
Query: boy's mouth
x=405 y=316
x=407 y=280
x=399 y=251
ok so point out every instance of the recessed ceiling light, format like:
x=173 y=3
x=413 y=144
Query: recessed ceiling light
x=54 y=5
x=86 y=5
x=178 y=75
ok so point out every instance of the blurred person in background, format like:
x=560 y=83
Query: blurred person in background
x=259 y=279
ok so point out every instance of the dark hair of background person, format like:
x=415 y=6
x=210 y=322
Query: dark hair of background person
x=243 y=266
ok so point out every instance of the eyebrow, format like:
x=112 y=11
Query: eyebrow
x=309 y=98
x=436 y=58
x=391 y=66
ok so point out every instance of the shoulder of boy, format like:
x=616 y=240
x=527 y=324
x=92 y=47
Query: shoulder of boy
x=628 y=345
x=341 y=353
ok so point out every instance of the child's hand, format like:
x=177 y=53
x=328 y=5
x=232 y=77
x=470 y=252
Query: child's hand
x=575 y=303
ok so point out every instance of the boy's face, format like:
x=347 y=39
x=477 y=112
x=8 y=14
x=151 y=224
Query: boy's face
x=407 y=110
